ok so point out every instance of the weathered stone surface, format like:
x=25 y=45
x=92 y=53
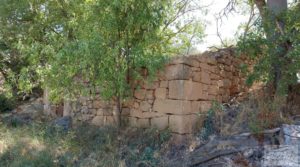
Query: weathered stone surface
x=109 y=120
x=197 y=76
x=201 y=106
x=213 y=90
x=172 y=106
x=163 y=84
x=140 y=94
x=136 y=105
x=150 y=95
x=185 y=60
x=125 y=111
x=84 y=109
x=205 y=78
x=97 y=103
x=186 y=86
x=140 y=114
x=98 y=120
x=179 y=71
x=90 y=104
x=161 y=93
x=205 y=66
x=145 y=106
x=160 y=122
x=184 y=124
x=290 y=134
x=133 y=121
x=185 y=90
x=226 y=83
x=143 y=123
x=151 y=85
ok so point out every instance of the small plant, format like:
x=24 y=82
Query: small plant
x=6 y=104
x=210 y=125
x=266 y=114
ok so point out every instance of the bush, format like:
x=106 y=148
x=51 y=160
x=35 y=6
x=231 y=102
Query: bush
x=6 y=104
x=265 y=113
x=212 y=122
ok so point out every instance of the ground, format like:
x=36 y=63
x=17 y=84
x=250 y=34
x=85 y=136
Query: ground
x=234 y=134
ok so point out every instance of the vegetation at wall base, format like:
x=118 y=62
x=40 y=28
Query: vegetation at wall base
x=38 y=144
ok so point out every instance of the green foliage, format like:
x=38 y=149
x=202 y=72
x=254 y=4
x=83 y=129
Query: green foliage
x=271 y=47
x=210 y=125
x=64 y=45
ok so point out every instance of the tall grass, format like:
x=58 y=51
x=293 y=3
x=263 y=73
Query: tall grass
x=40 y=145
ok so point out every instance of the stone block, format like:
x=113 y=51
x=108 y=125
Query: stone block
x=150 y=95
x=161 y=93
x=97 y=104
x=211 y=60
x=93 y=111
x=179 y=71
x=151 y=85
x=185 y=90
x=185 y=124
x=228 y=62
x=140 y=114
x=172 y=106
x=205 y=78
x=132 y=121
x=201 y=106
x=90 y=104
x=195 y=69
x=212 y=97
x=110 y=120
x=213 y=90
x=98 y=120
x=140 y=94
x=108 y=111
x=205 y=66
x=145 y=106
x=226 y=83
x=160 y=122
x=84 y=110
x=125 y=111
x=163 y=84
x=136 y=105
x=197 y=76
x=143 y=123
x=185 y=60
x=228 y=68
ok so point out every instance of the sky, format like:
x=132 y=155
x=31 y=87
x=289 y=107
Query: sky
x=228 y=28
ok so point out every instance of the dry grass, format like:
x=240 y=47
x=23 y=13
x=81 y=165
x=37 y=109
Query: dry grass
x=39 y=145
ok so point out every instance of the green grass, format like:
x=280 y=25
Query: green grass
x=40 y=145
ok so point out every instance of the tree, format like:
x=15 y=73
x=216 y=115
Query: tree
x=29 y=36
x=79 y=46
x=273 y=43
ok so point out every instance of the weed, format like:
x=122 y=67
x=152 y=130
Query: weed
x=212 y=121
x=6 y=103
x=41 y=145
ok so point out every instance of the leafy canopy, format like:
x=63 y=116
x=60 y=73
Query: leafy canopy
x=268 y=46
x=101 y=43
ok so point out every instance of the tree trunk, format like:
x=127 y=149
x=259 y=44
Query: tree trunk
x=119 y=112
x=269 y=13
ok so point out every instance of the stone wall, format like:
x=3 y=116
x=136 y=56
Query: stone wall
x=178 y=99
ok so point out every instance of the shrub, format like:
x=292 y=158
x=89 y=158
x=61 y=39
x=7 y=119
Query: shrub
x=6 y=104
x=265 y=113
x=212 y=122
